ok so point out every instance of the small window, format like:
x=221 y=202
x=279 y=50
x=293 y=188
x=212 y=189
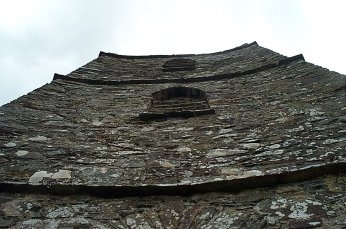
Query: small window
x=179 y=64
x=177 y=102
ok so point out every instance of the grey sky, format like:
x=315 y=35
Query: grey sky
x=41 y=37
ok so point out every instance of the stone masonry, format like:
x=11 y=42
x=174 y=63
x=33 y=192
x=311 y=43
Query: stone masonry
x=244 y=138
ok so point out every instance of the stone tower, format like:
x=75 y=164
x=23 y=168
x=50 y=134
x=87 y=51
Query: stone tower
x=244 y=138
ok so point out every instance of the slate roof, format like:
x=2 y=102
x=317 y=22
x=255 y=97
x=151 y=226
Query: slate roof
x=276 y=120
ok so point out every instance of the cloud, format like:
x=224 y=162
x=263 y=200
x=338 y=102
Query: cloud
x=51 y=36
x=324 y=37
x=42 y=37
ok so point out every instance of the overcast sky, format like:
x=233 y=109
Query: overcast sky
x=41 y=37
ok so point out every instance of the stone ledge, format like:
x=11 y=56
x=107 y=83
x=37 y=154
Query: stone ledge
x=148 y=116
x=251 y=181
x=182 y=80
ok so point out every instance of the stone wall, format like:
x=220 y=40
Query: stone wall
x=316 y=203
x=294 y=121
x=277 y=120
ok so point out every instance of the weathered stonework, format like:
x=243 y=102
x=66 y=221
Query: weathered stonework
x=271 y=155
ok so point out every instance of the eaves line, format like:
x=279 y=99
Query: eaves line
x=182 y=80
x=230 y=186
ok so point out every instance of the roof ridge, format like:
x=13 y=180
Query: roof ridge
x=245 y=45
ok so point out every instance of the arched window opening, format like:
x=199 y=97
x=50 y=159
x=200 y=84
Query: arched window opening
x=177 y=102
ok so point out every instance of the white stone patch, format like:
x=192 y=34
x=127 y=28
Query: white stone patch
x=188 y=173
x=131 y=223
x=314 y=112
x=183 y=149
x=252 y=145
x=218 y=179
x=62 y=174
x=315 y=223
x=97 y=123
x=209 y=133
x=31 y=223
x=278 y=152
x=299 y=210
x=331 y=141
x=101 y=148
x=10 y=144
x=280 y=203
x=174 y=213
x=114 y=131
x=282 y=120
x=147 y=129
x=129 y=152
x=309 y=166
x=217 y=153
x=185 y=129
x=296 y=112
x=277 y=171
x=103 y=169
x=280 y=214
x=37 y=177
x=1 y=154
x=271 y=220
x=298 y=129
x=224 y=152
x=315 y=203
x=252 y=137
x=185 y=182
x=230 y=171
x=275 y=146
x=63 y=212
x=204 y=216
x=225 y=220
x=38 y=138
x=312 y=143
x=115 y=175
x=276 y=102
x=330 y=213
x=84 y=120
x=225 y=131
x=341 y=159
x=252 y=173
x=29 y=205
x=166 y=164
x=233 y=173
x=21 y=153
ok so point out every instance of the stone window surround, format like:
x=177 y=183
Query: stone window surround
x=177 y=101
